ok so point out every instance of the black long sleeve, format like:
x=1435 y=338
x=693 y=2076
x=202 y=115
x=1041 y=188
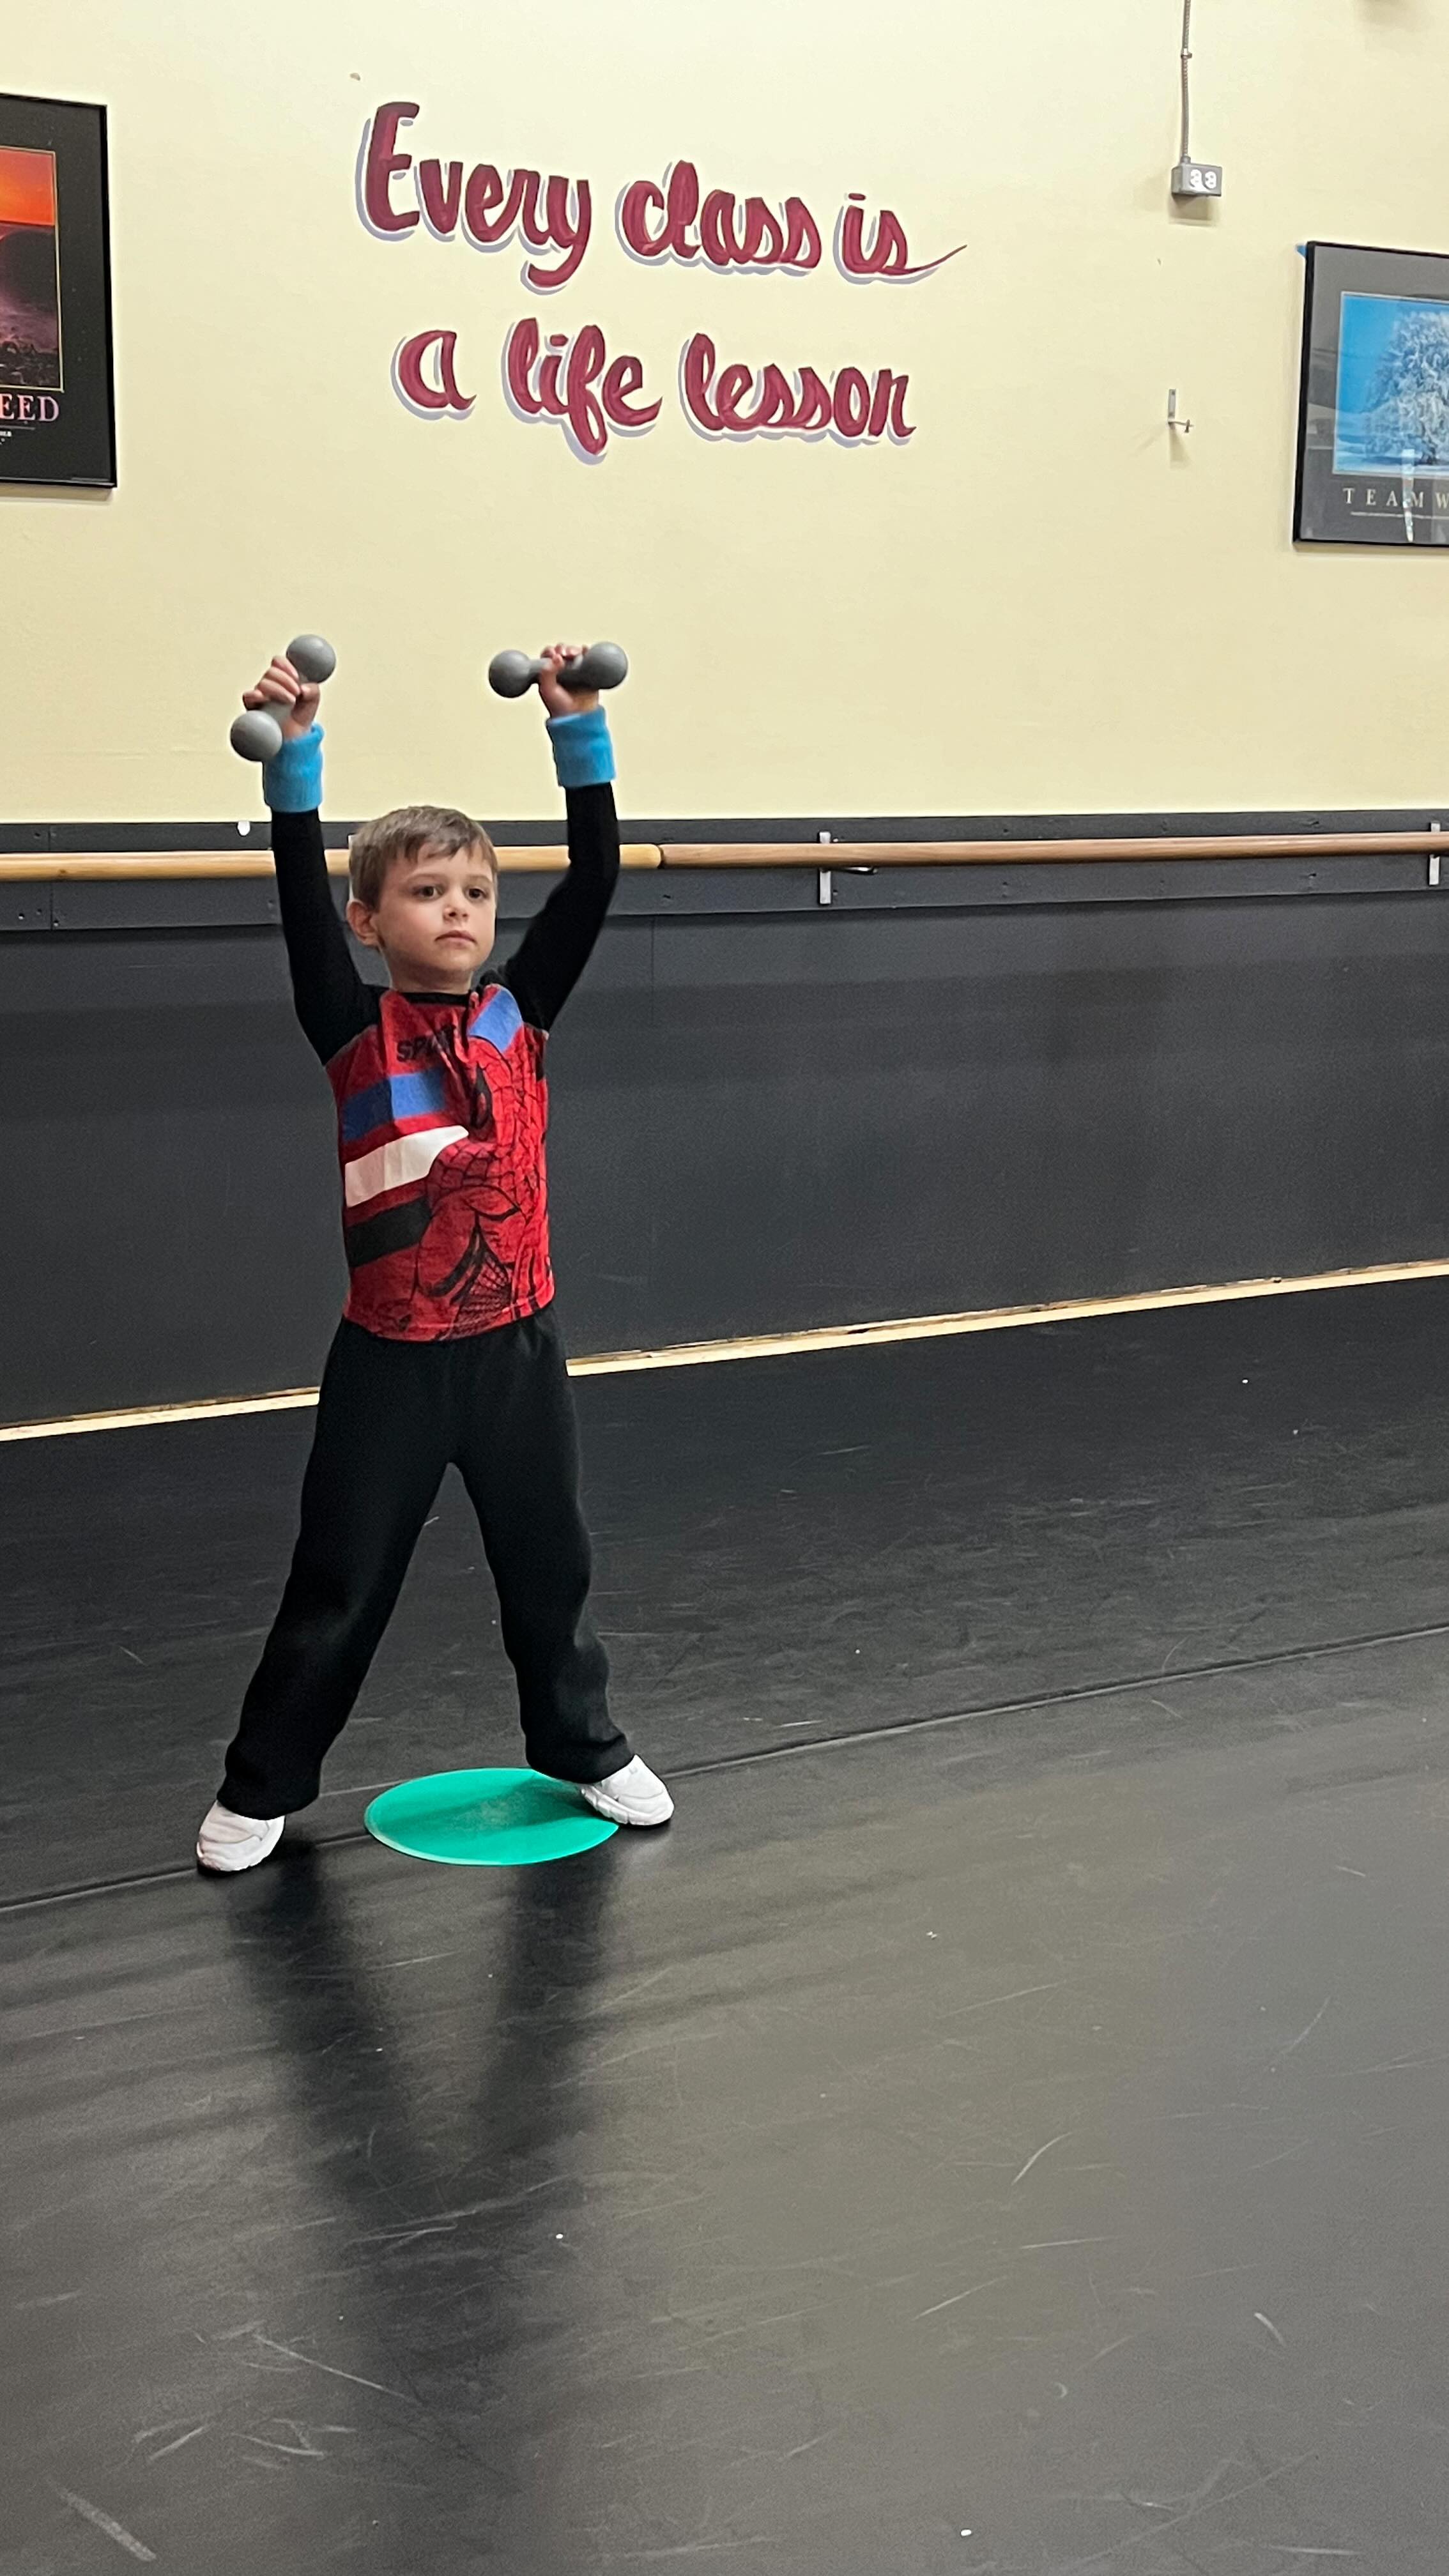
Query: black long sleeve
x=558 y=944
x=333 y=1003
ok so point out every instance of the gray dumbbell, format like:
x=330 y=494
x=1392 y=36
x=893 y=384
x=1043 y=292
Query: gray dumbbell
x=602 y=666
x=257 y=732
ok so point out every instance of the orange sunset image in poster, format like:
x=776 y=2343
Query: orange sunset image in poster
x=29 y=272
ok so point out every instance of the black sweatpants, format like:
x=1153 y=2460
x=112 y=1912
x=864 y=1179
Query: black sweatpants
x=391 y=1417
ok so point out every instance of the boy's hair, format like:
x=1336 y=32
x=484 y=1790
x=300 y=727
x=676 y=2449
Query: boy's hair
x=377 y=847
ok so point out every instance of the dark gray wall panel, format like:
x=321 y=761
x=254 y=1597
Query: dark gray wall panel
x=879 y=1115
x=761 y=1121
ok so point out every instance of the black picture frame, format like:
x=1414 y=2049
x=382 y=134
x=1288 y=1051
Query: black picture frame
x=57 y=373
x=1373 y=408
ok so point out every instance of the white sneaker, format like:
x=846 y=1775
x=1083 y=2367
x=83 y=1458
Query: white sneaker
x=629 y=1797
x=227 y=1842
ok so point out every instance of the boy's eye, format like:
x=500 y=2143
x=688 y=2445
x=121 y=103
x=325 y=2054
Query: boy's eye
x=480 y=893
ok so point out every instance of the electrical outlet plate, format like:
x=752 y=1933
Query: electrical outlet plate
x=1197 y=179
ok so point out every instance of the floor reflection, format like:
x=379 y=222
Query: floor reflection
x=440 y=2144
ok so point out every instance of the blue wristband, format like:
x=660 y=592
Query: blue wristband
x=292 y=783
x=583 y=755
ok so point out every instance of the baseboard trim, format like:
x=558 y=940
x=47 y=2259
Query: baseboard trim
x=768 y=1346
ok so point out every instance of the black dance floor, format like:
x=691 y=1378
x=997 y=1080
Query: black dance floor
x=1000 y=2127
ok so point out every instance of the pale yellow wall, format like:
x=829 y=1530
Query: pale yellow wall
x=1039 y=604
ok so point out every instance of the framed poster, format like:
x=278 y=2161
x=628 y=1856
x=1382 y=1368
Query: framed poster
x=1373 y=417
x=57 y=405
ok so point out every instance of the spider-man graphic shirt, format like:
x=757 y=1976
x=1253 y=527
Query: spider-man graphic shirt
x=442 y=1101
x=442 y=1109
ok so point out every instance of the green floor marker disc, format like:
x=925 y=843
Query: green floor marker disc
x=486 y=1819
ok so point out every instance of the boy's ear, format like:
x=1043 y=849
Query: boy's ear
x=362 y=922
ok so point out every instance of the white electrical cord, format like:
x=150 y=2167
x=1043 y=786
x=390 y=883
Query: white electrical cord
x=1186 y=152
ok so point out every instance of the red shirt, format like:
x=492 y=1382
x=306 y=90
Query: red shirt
x=442 y=1111
x=442 y=1101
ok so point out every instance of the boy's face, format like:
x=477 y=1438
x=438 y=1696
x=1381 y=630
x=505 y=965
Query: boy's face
x=435 y=919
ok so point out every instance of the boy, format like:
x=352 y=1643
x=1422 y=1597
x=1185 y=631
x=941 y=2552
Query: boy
x=448 y=1348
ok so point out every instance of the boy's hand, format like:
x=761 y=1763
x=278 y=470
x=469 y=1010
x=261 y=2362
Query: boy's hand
x=287 y=696
x=558 y=700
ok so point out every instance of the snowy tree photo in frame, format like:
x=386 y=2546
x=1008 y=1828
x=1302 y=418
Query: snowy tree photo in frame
x=1373 y=422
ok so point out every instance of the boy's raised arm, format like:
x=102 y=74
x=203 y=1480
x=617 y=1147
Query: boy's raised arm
x=332 y=1001
x=557 y=946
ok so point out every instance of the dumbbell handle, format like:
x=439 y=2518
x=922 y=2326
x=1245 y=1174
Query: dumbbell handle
x=601 y=666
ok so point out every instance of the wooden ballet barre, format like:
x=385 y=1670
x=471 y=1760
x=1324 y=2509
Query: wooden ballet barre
x=114 y=867
x=518 y=860
x=955 y=854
